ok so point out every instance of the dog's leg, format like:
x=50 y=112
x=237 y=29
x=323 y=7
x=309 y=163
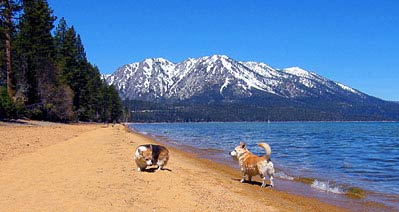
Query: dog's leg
x=243 y=177
x=160 y=165
x=271 y=181
x=264 y=182
x=249 y=178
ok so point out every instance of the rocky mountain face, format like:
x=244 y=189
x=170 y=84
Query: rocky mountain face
x=159 y=79
x=219 y=79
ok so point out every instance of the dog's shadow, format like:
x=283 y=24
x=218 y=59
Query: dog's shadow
x=250 y=182
x=154 y=169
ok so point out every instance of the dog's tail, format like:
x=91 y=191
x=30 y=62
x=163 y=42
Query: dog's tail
x=267 y=149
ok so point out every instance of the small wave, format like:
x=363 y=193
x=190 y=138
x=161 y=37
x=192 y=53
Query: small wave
x=283 y=175
x=325 y=186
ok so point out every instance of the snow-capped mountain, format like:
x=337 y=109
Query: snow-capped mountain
x=160 y=79
x=219 y=88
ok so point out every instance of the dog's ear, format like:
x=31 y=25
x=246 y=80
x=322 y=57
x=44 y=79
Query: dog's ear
x=242 y=144
x=139 y=151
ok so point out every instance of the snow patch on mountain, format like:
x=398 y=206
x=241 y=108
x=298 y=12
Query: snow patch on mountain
x=158 y=78
x=347 y=88
x=224 y=85
x=298 y=72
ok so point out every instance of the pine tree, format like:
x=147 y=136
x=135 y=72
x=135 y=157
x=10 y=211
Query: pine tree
x=93 y=99
x=8 y=9
x=53 y=76
x=115 y=104
x=7 y=107
x=92 y=93
x=105 y=113
x=45 y=91
x=126 y=115
x=59 y=38
x=3 y=77
x=73 y=64
x=35 y=44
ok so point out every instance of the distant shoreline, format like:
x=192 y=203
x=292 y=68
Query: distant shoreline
x=264 y=122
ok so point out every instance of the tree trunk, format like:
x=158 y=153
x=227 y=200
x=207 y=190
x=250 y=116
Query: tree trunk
x=7 y=16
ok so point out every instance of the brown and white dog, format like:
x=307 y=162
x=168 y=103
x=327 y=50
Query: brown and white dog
x=150 y=154
x=252 y=165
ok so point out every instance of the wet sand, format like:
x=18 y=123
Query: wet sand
x=91 y=168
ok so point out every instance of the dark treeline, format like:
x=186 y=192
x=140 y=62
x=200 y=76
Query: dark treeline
x=44 y=73
x=274 y=110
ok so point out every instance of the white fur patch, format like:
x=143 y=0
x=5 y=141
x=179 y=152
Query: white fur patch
x=140 y=149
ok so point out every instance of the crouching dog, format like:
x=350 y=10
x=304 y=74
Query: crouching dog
x=150 y=154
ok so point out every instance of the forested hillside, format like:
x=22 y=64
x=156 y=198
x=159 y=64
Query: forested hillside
x=44 y=71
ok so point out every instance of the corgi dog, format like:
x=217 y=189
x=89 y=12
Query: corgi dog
x=151 y=154
x=252 y=165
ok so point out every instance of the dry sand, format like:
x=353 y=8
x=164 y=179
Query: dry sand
x=55 y=167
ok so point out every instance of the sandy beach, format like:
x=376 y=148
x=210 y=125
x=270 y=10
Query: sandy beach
x=90 y=167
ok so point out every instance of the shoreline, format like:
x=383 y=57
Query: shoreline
x=91 y=168
x=192 y=153
x=297 y=186
x=342 y=121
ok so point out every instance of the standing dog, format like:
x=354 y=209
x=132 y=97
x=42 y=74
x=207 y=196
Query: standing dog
x=252 y=165
x=149 y=154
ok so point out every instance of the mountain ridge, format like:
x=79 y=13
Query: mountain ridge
x=166 y=77
x=221 y=80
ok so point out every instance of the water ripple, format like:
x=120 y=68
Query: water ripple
x=363 y=155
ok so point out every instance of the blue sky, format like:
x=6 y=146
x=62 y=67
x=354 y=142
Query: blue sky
x=352 y=42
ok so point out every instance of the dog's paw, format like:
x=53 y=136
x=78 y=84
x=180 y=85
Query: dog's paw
x=139 y=169
x=264 y=185
x=242 y=180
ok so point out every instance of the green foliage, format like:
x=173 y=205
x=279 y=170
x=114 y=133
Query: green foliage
x=35 y=45
x=2 y=55
x=111 y=104
x=8 y=12
x=54 y=80
x=115 y=104
x=126 y=115
x=84 y=79
x=3 y=77
x=7 y=107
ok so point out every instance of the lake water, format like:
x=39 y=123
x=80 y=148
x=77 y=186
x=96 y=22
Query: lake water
x=333 y=157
